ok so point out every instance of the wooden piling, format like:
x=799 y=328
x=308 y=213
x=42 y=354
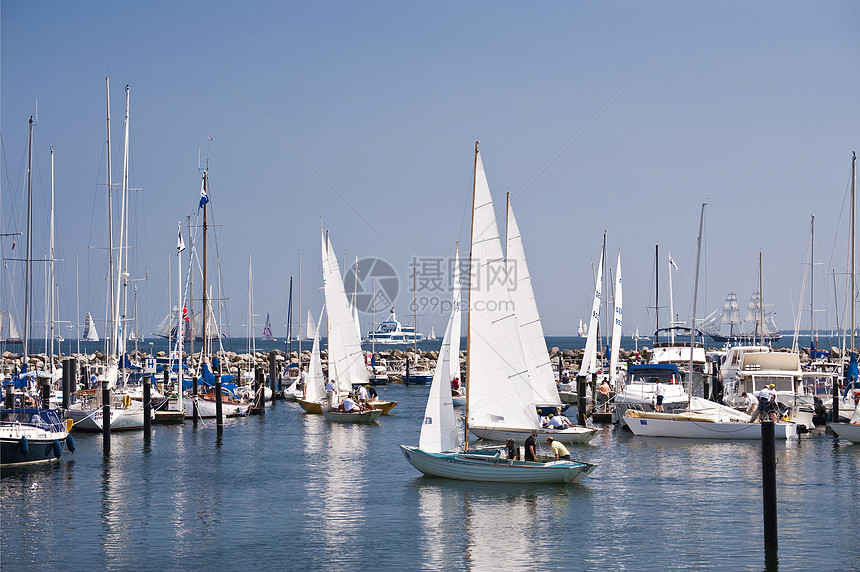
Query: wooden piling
x=147 y=407
x=219 y=417
x=105 y=418
x=768 y=482
x=581 y=402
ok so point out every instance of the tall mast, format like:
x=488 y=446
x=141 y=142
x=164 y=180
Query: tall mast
x=853 y=229
x=51 y=258
x=656 y=293
x=812 y=281
x=695 y=296
x=111 y=293
x=29 y=258
x=760 y=300
x=468 y=308
x=205 y=259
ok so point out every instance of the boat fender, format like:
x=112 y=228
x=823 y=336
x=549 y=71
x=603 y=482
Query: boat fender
x=70 y=443
x=58 y=449
x=25 y=447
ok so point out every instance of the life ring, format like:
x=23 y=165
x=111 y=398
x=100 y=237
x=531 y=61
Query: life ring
x=126 y=400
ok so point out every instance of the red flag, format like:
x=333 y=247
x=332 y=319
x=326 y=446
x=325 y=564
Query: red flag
x=185 y=313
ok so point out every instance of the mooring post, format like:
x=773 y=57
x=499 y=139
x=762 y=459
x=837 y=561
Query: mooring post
x=219 y=418
x=68 y=380
x=194 y=414
x=147 y=407
x=834 y=412
x=581 y=399
x=407 y=370
x=768 y=482
x=105 y=418
x=273 y=374
x=10 y=400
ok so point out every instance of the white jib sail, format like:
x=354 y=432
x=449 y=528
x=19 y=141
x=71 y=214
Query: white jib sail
x=315 y=381
x=544 y=388
x=439 y=431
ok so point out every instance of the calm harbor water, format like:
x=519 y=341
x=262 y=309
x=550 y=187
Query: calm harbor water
x=289 y=490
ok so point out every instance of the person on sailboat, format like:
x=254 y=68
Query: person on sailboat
x=302 y=376
x=350 y=405
x=751 y=402
x=559 y=450
x=531 y=446
x=658 y=392
x=603 y=394
x=511 y=450
x=363 y=395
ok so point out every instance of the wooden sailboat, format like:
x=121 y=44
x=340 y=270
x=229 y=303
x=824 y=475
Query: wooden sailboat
x=498 y=388
x=346 y=364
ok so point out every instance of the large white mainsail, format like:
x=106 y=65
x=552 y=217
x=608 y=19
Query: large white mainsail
x=616 y=326
x=499 y=393
x=439 y=430
x=544 y=388
x=90 y=333
x=345 y=356
x=589 y=357
x=315 y=381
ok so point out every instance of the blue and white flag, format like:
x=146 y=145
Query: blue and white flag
x=204 y=198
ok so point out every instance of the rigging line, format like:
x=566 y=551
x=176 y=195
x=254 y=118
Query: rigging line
x=578 y=136
x=304 y=159
x=574 y=140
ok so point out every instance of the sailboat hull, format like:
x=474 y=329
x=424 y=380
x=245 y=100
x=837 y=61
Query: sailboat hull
x=694 y=426
x=310 y=406
x=206 y=408
x=577 y=435
x=93 y=419
x=365 y=417
x=849 y=431
x=492 y=468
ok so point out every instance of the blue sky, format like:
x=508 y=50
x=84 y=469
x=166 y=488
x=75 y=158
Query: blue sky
x=313 y=107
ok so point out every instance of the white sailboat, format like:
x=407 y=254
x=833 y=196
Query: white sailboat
x=346 y=364
x=90 y=333
x=498 y=392
x=851 y=430
x=313 y=393
x=589 y=356
x=582 y=330
x=86 y=412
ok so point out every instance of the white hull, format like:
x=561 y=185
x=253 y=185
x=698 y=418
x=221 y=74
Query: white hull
x=206 y=408
x=492 y=468
x=120 y=419
x=689 y=427
x=574 y=435
x=849 y=431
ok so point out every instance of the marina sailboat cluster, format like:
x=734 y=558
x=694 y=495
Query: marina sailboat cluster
x=499 y=403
